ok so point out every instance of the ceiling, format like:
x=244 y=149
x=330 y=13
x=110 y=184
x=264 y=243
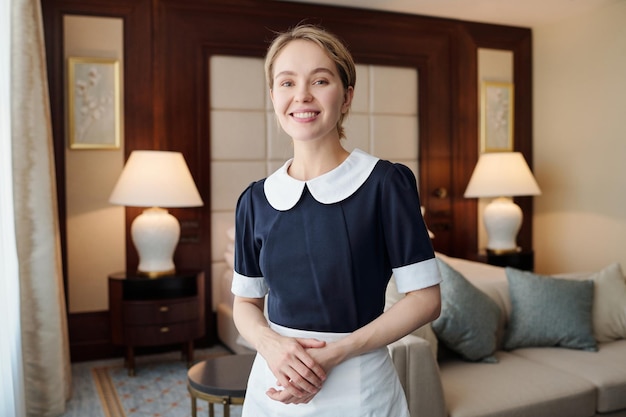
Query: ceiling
x=525 y=13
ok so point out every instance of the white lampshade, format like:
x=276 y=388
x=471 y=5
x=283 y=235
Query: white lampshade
x=156 y=179
x=502 y=175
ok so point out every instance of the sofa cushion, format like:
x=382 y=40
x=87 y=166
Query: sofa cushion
x=489 y=279
x=606 y=369
x=609 y=304
x=469 y=319
x=514 y=387
x=547 y=311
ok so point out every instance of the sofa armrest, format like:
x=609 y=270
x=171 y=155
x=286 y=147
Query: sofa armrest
x=419 y=375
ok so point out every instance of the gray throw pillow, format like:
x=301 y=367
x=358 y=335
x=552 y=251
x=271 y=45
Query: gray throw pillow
x=469 y=318
x=548 y=311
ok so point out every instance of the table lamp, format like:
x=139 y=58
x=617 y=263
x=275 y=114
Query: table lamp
x=157 y=180
x=502 y=175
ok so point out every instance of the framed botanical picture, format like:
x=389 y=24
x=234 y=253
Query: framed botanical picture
x=496 y=121
x=94 y=103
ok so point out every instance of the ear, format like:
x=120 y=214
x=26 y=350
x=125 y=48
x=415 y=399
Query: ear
x=348 y=95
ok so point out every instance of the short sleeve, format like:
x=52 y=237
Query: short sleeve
x=409 y=248
x=248 y=280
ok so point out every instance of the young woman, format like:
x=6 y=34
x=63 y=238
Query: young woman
x=321 y=238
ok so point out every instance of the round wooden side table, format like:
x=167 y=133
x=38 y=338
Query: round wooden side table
x=220 y=380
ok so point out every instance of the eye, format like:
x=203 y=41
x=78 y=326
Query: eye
x=286 y=84
x=320 y=82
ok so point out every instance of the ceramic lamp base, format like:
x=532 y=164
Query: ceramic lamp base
x=503 y=219
x=155 y=234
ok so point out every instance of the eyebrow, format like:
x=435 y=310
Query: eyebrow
x=315 y=71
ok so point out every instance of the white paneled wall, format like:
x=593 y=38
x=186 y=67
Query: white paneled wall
x=247 y=144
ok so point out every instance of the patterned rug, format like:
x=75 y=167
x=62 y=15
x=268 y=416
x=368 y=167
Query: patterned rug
x=158 y=389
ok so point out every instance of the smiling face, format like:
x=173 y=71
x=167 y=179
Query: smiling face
x=308 y=95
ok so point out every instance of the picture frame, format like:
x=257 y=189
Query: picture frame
x=94 y=103
x=496 y=121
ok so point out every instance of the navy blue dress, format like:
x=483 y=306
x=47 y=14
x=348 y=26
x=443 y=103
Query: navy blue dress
x=326 y=261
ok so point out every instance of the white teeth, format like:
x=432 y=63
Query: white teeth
x=305 y=115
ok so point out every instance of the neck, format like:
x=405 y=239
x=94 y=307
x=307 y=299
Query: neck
x=311 y=161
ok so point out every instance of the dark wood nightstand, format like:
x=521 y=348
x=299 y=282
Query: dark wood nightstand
x=524 y=260
x=156 y=311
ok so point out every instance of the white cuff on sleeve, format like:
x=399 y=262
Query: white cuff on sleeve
x=417 y=276
x=249 y=287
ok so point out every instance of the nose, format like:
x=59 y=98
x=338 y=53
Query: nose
x=303 y=94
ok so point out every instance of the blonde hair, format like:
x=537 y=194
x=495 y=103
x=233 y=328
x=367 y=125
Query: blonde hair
x=330 y=43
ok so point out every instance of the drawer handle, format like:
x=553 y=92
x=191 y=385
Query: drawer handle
x=164 y=309
x=165 y=329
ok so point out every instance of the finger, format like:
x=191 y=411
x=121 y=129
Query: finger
x=296 y=375
x=285 y=398
x=305 y=378
x=281 y=396
x=311 y=343
x=314 y=371
x=289 y=387
x=292 y=367
x=298 y=385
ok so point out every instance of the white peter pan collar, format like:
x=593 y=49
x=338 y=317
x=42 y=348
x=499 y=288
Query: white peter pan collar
x=283 y=191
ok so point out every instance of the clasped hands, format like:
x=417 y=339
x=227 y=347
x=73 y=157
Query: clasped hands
x=300 y=366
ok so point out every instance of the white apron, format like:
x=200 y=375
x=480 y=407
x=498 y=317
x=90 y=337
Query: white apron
x=363 y=386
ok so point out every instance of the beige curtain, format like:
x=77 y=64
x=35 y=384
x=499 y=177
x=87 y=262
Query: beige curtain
x=44 y=328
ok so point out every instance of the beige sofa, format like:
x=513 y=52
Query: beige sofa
x=526 y=381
